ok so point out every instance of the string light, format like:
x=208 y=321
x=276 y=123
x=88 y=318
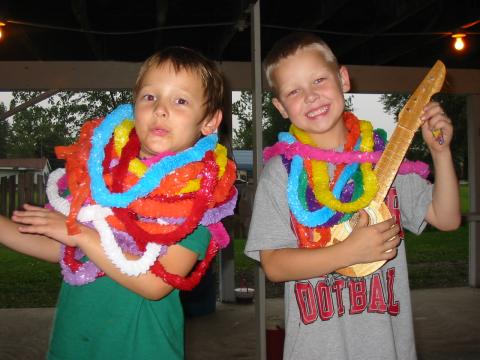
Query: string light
x=459 y=44
x=458 y=36
x=2 y=24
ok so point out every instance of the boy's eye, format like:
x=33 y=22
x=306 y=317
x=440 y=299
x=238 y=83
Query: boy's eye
x=181 y=101
x=293 y=92
x=148 y=97
x=319 y=80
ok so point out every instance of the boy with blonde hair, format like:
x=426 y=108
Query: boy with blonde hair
x=298 y=200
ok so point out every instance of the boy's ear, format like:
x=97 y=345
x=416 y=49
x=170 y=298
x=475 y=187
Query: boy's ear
x=212 y=123
x=344 y=79
x=280 y=107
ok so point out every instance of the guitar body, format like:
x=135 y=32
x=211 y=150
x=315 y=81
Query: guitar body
x=390 y=161
x=341 y=231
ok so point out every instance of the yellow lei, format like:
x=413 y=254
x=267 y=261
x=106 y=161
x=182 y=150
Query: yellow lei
x=321 y=180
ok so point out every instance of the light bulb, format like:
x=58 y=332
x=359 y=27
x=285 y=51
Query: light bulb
x=2 y=24
x=459 y=44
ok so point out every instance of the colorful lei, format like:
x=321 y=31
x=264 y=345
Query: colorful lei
x=139 y=206
x=318 y=201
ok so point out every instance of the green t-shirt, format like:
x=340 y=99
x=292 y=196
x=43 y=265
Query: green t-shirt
x=104 y=320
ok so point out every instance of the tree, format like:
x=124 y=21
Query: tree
x=455 y=107
x=349 y=103
x=3 y=133
x=35 y=131
x=273 y=123
x=243 y=136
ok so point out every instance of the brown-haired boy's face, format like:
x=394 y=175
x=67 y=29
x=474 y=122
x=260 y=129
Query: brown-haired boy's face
x=310 y=93
x=170 y=110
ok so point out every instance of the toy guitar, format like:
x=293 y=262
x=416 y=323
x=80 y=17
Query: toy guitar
x=387 y=167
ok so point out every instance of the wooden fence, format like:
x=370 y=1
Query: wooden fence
x=13 y=194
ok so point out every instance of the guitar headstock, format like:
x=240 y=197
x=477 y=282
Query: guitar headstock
x=431 y=84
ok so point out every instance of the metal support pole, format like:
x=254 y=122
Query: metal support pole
x=257 y=168
x=227 y=255
x=473 y=133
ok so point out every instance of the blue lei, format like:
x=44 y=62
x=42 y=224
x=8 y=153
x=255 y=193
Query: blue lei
x=152 y=177
x=304 y=216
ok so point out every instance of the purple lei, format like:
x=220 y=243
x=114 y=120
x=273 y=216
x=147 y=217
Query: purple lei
x=214 y=215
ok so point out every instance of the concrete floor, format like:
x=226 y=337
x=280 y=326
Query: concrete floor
x=447 y=326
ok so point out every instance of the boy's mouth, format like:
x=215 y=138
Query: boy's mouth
x=318 y=111
x=159 y=131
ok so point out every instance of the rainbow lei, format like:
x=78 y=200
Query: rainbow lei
x=151 y=178
x=140 y=206
x=318 y=202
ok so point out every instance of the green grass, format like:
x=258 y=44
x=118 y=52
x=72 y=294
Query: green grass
x=438 y=259
x=27 y=282
x=242 y=262
x=437 y=246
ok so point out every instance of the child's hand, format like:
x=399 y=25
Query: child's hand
x=38 y=220
x=369 y=243
x=435 y=119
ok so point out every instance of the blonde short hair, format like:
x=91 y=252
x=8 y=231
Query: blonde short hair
x=289 y=45
x=182 y=58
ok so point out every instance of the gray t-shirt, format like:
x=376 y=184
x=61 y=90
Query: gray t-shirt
x=334 y=316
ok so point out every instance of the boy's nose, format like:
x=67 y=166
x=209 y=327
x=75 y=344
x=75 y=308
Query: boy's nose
x=160 y=110
x=310 y=97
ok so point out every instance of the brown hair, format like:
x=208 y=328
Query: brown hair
x=182 y=58
x=289 y=45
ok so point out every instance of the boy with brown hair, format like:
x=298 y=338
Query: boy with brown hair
x=299 y=198
x=147 y=187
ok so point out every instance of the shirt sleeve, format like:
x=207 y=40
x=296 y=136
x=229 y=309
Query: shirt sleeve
x=414 y=196
x=270 y=224
x=197 y=241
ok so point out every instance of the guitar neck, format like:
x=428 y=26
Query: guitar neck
x=408 y=122
x=388 y=165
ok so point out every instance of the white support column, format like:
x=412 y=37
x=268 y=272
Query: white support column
x=473 y=133
x=257 y=168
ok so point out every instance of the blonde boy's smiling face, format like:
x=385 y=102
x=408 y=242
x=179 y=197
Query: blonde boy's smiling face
x=170 y=111
x=310 y=94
